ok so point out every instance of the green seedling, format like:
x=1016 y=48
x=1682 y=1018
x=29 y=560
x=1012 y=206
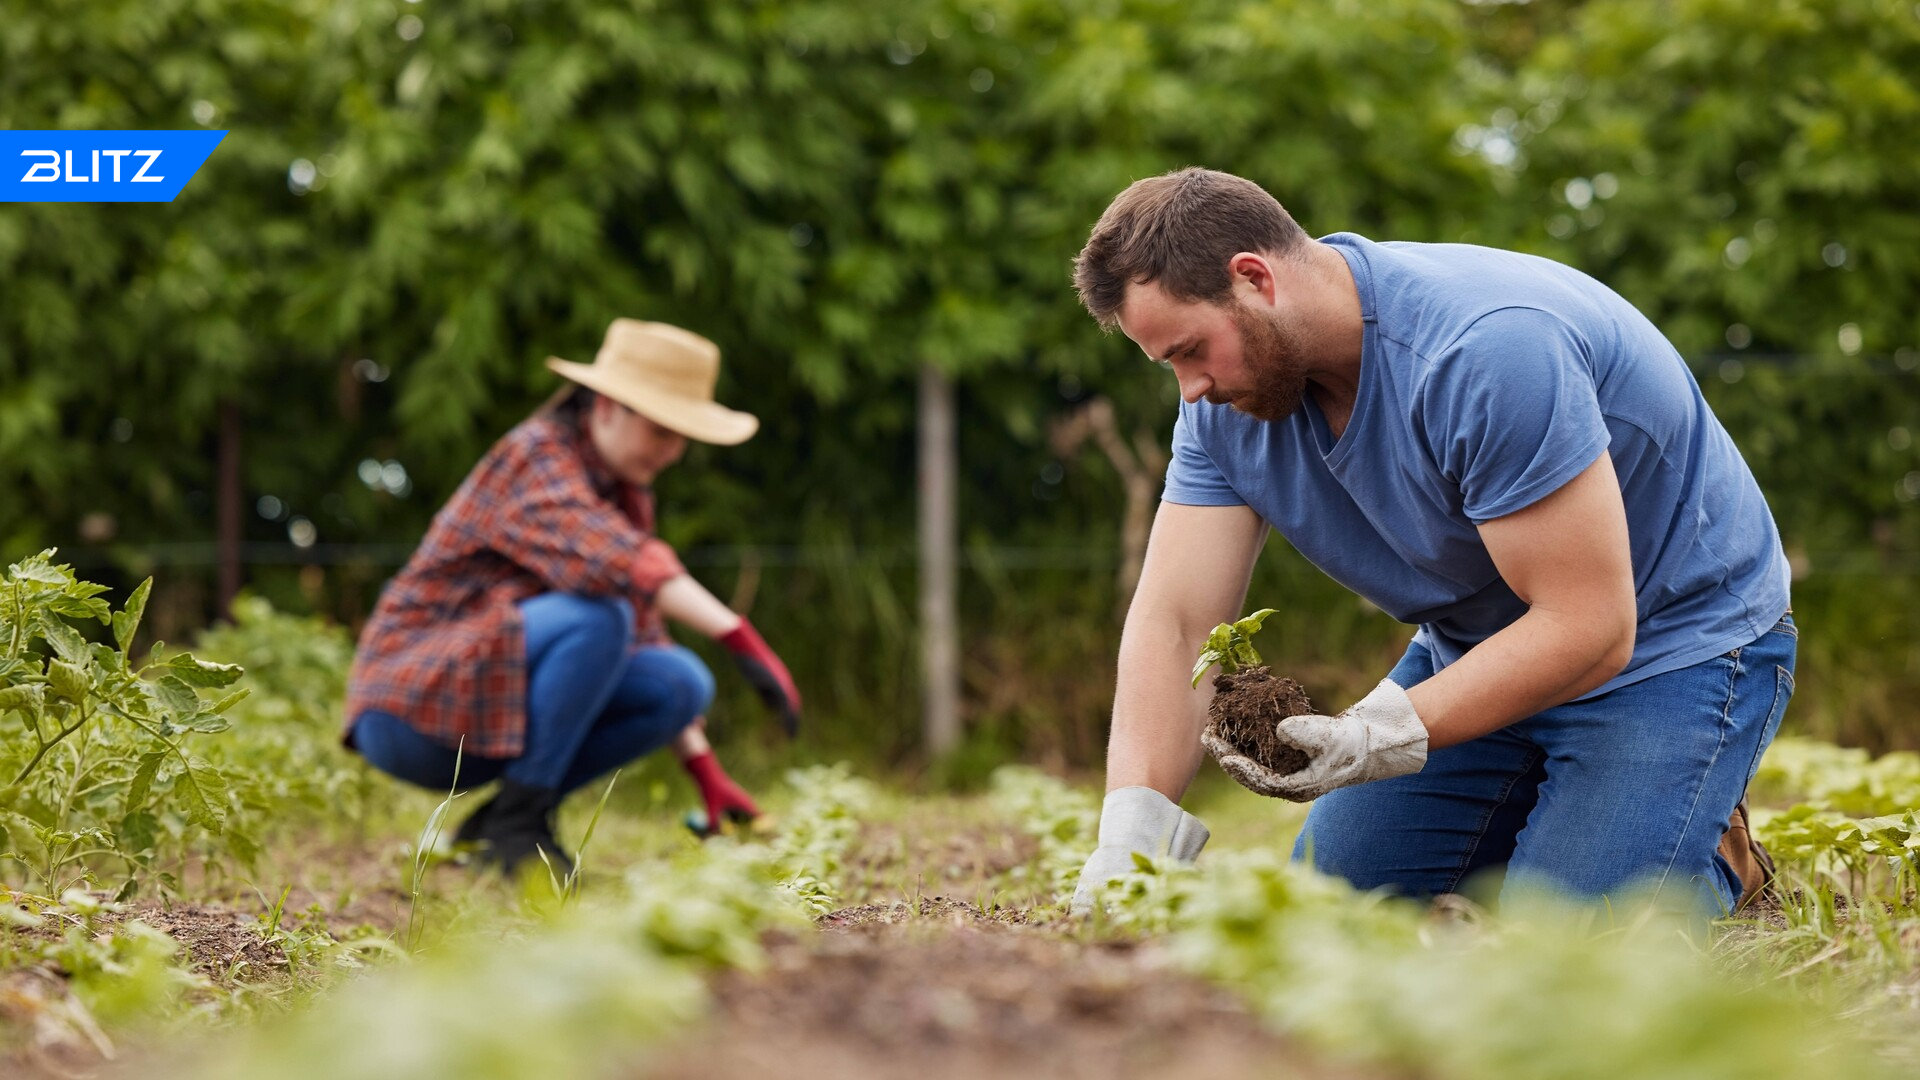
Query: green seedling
x=424 y=847
x=567 y=887
x=96 y=747
x=1231 y=645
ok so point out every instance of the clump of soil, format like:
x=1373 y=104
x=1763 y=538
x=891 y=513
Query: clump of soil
x=1246 y=708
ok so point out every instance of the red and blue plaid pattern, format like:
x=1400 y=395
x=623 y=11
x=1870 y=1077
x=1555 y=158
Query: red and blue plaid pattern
x=445 y=649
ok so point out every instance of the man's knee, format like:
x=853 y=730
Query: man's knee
x=1346 y=837
x=1410 y=835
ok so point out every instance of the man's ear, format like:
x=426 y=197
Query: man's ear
x=1253 y=270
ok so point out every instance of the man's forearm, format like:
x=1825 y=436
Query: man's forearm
x=1157 y=715
x=1543 y=659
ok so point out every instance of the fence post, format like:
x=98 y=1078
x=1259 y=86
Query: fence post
x=939 y=629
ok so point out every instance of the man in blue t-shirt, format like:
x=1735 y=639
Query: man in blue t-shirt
x=1495 y=448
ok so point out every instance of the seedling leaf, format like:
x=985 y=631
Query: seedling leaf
x=176 y=697
x=127 y=620
x=204 y=792
x=142 y=785
x=1231 y=645
x=202 y=673
x=68 y=681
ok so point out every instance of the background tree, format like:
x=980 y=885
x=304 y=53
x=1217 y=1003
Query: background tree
x=417 y=203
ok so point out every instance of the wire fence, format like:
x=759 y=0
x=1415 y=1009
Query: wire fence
x=1859 y=562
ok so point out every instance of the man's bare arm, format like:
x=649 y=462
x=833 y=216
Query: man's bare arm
x=1568 y=558
x=1199 y=559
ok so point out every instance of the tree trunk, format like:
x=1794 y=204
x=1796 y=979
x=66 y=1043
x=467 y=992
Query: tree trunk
x=1142 y=466
x=939 y=622
x=227 y=509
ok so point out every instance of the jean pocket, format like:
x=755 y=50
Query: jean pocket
x=1782 y=693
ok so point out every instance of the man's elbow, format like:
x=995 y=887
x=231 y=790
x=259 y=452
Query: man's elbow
x=1618 y=648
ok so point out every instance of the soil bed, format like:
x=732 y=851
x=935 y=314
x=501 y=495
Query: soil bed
x=944 y=989
x=1248 y=705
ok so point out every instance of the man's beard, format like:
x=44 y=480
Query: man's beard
x=1272 y=358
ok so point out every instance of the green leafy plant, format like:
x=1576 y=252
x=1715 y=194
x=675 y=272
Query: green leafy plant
x=283 y=754
x=1063 y=820
x=96 y=747
x=1231 y=645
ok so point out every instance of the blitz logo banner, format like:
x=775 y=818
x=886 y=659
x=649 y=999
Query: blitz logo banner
x=101 y=166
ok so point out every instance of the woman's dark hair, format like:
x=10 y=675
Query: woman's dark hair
x=571 y=406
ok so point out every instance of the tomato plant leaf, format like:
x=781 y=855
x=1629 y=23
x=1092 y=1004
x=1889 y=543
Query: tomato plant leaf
x=137 y=832
x=229 y=701
x=38 y=568
x=242 y=846
x=127 y=619
x=203 y=794
x=27 y=697
x=66 y=641
x=176 y=696
x=68 y=681
x=75 y=607
x=143 y=775
x=202 y=672
x=207 y=723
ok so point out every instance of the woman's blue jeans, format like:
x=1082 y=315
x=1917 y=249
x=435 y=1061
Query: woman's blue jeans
x=593 y=703
x=1628 y=790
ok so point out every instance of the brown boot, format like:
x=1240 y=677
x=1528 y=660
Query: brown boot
x=1747 y=857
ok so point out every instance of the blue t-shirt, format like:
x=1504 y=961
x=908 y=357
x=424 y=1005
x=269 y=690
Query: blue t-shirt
x=1488 y=379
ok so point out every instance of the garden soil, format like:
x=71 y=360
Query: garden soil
x=934 y=987
x=944 y=990
x=1245 y=709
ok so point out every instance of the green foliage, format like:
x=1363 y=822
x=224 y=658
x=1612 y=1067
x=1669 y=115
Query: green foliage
x=100 y=762
x=1854 y=826
x=1383 y=981
x=113 y=972
x=283 y=756
x=1064 y=820
x=581 y=1003
x=415 y=206
x=296 y=665
x=829 y=806
x=593 y=983
x=1774 y=203
x=1757 y=220
x=1846 y=779
x=1231 y=645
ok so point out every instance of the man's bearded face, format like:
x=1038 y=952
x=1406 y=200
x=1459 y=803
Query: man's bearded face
x=1271 y=354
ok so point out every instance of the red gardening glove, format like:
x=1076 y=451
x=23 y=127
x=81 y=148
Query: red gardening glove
x=764 y=670
x=725 y=799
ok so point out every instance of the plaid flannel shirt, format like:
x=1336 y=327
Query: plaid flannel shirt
x=445 y=650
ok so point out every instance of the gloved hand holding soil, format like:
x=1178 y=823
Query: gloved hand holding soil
x=1247 y=707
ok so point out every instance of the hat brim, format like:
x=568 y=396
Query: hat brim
x=701 y=421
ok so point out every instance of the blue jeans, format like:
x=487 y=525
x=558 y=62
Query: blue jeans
x=1629 y=789
x=593 y=703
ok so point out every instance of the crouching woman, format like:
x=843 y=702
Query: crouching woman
x=525 y=639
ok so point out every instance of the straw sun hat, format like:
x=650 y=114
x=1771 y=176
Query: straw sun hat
x=665 y=374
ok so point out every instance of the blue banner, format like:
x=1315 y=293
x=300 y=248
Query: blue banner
x=100 y=166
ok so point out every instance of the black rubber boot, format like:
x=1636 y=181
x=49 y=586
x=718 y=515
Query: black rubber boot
x=518 y=824
x=471 y=830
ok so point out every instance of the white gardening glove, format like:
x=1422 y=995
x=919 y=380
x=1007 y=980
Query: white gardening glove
x=1378 y=738
x=1137 y=819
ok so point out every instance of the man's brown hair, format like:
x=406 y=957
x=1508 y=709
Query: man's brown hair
x=1179 y=229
